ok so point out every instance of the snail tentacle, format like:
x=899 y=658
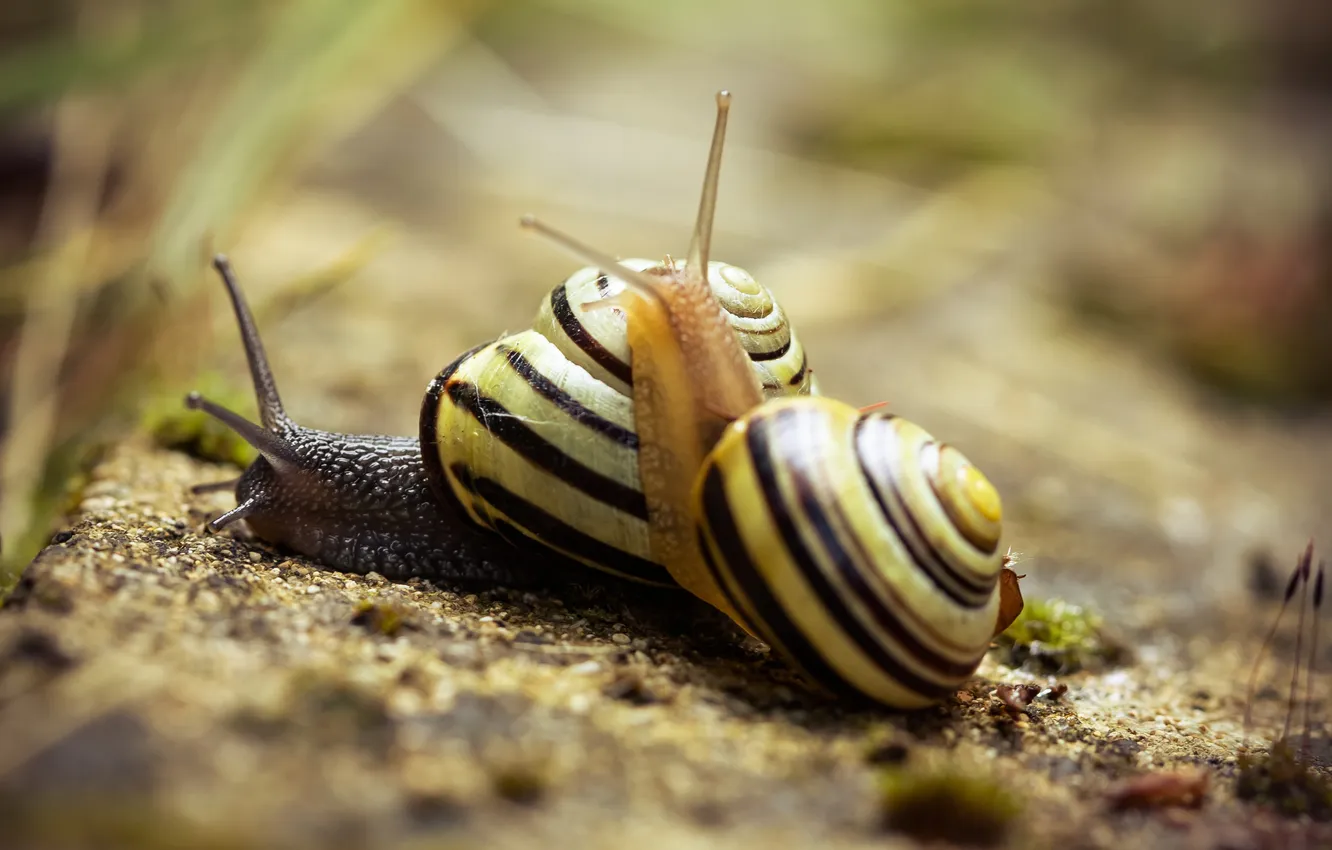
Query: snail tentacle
x=640 y=281
x=700 y=246
x=214 y=486
x=270 y=444
x=239 y=512
x=271 y=414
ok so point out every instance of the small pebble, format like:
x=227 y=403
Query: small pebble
x=256 y=557
x=312 y=590
x=620 y=639
x=97 y=503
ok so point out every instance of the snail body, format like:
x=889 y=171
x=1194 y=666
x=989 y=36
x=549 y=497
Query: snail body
x=660 y=421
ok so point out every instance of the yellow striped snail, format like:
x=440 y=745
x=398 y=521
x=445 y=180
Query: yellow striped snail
x=633 y=429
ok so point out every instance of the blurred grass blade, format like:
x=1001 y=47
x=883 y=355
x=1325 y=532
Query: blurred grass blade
x=325 y=67
x=127 y=46
x=33 y=403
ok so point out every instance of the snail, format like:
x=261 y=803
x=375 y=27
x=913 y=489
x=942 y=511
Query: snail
x=860 y=548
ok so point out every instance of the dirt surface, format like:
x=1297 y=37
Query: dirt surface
x=162 y=687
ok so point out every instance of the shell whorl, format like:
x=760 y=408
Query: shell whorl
x=832 y=533
x=596 y=339
x=535 y=431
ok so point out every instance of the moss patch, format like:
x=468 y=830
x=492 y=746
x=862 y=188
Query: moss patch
x=174 y=426
x=947 y=804
x=1056 y=637
x=380 y=617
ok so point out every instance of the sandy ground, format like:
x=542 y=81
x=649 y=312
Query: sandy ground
x=160 y=686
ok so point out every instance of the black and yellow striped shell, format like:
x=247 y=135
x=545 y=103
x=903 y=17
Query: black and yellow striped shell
x=596 y=340
x=535 y=431
x=859 y=547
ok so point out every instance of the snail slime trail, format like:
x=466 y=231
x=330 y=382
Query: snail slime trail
x=660 y=422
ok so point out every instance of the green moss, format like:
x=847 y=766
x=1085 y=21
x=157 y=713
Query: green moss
x=1057 y=637
x=948 y=805
x=378 y=617
x=1056 y=623
x=175 y=426
x=1284 y=781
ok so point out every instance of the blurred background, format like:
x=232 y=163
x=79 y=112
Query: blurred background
x=1090 y=244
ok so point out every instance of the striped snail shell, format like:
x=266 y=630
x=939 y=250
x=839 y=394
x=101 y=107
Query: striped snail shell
x=596 y=340
x=536 y=434
x=864 y=551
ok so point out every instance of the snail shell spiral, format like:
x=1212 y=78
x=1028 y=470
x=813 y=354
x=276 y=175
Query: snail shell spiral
x=862 y=550
x=535 y=432
x=597 y=341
